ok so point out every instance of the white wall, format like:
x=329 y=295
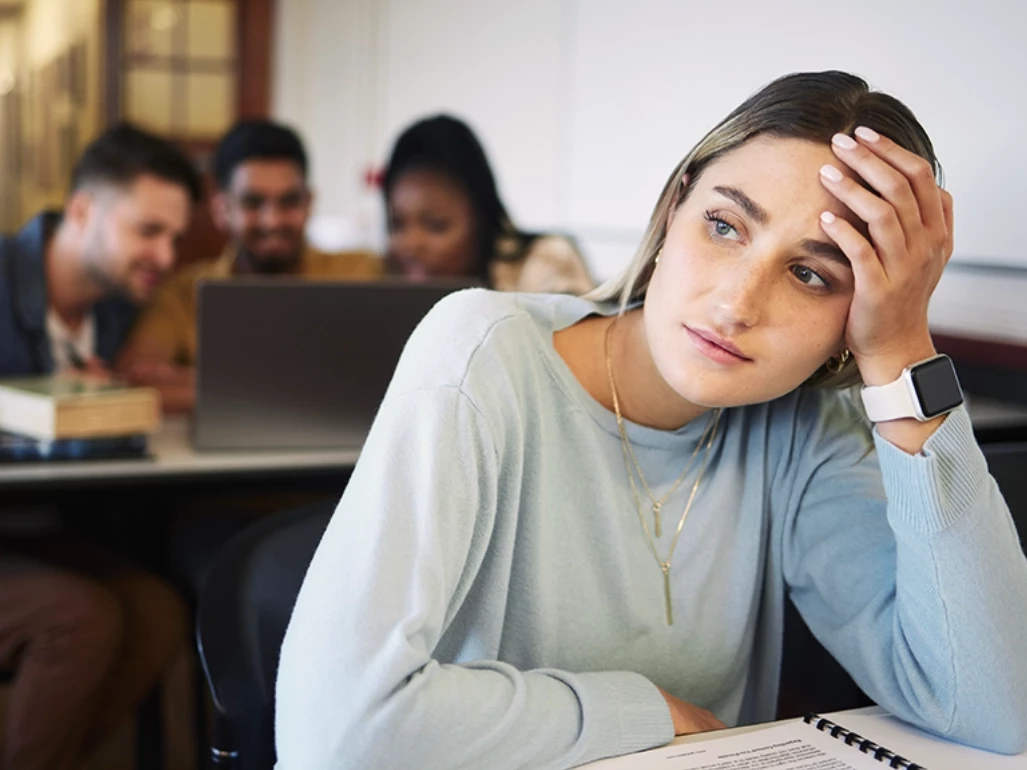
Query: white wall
x=585 y=105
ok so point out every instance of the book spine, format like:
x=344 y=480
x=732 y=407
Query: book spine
x=865 y=745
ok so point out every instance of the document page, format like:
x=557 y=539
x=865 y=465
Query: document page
x=790 y=746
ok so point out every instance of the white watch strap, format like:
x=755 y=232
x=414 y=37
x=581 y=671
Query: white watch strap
x=893 y=401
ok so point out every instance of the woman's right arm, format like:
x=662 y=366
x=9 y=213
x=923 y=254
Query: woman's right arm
x=358 y=685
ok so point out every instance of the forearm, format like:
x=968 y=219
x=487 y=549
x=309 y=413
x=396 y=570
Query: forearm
x=961 y=589
x=484 y=714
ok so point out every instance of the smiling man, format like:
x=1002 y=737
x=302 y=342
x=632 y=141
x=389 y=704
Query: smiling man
x=262 y=203
x=87 y=635
x=72 y=281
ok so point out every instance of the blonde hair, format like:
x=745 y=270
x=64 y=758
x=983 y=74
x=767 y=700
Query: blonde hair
x=806 y=105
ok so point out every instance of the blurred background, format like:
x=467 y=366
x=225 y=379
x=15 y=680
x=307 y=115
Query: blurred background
x=583 y=106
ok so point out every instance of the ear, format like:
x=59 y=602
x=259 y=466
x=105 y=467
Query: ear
x=79 y=207
x=219 y=210
x=311 y=197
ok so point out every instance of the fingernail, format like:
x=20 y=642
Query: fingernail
x=867 y=134
x=830 y=173
x=827 y=217
x=844 y=141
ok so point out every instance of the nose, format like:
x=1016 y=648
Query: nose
x=742 y=294
x=165 y=253
x=270 y=216
x=410 y=242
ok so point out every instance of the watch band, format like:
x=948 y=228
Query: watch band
x=893 y=401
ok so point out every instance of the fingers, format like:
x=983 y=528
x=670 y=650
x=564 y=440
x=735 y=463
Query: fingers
x=946 y=206
x=867 y=270
x=901 y=177
x=888 y=180
x=916 y=170
x=881 y=217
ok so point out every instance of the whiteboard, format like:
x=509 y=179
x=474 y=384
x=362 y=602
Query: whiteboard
x=647 y=79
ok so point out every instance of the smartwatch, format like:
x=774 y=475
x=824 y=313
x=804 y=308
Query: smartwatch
x=925 y=390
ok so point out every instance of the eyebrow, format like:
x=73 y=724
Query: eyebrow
x=752 y=208
x=826 y=250
x=817 y=248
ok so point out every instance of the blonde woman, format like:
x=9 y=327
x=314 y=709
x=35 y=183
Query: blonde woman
x=573 y=527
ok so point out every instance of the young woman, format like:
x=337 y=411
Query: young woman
x=573 y=527
x=446 y=219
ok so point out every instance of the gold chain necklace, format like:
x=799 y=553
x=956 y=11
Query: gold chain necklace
x=629 y=458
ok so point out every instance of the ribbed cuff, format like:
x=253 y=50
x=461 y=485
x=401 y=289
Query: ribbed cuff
x=623 y=713
x=930 y=491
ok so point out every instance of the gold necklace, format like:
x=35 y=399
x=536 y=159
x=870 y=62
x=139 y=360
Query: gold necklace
x=629 y=458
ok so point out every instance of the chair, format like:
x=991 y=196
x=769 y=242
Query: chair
x=244 y=608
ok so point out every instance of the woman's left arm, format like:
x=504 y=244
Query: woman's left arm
x=908 y=569
x=919 y=588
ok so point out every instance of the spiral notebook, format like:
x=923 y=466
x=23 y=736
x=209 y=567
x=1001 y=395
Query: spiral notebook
x=864 y=739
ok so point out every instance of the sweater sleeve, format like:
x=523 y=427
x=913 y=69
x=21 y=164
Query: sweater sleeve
x=358 y=684
x=909 y=571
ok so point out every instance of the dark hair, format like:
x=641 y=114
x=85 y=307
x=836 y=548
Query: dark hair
x=123 y=153
x=256 y=140
x=447 y=146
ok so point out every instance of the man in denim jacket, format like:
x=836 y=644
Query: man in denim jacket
x=70 y=283
x=87 y=635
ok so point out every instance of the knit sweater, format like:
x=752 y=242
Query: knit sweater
x=485 y=595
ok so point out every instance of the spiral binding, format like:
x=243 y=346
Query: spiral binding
x=881 y=754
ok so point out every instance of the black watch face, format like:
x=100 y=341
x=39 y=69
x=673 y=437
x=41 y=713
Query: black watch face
x=937 y=386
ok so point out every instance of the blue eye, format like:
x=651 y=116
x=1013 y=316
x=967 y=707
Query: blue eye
x=721 y=228
x=808 y=276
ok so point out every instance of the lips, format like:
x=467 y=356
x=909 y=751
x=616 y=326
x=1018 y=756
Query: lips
x=716 y=347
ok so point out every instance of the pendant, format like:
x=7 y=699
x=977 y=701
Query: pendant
x=665 y=568
x=657 y=507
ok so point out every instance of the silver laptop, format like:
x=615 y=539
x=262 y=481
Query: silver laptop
x=297 y=364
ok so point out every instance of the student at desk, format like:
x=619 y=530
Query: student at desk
x=446 y=219
x=262 y=203
x=87 y=636
x=573 y=527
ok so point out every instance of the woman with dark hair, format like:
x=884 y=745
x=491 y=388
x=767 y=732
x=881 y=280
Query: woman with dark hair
x=445 y=217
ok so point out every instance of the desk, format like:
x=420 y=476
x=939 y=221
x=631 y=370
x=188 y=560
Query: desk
x=175 y=460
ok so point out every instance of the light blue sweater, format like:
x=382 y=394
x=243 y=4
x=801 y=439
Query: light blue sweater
x=485 y=597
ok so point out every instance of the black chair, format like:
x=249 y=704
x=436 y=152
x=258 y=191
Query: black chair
x=244 y=608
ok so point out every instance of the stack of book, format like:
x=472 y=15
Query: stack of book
x=74 y=418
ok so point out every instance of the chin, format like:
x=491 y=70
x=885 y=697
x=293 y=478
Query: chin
x=718 y=389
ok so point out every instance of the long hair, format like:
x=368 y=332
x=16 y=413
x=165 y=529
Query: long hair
x=807 y=105
x=445 y=145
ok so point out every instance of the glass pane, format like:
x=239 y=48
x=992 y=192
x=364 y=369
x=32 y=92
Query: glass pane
x=211 y=104
x=212 y=29
x=148 y=99
x=151 y=28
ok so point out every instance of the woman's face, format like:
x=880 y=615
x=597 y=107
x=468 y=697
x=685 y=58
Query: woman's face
x=431 y=227
x=750 y=297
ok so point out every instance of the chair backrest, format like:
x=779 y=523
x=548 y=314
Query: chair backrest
x=244 y=608
x=1007 y=462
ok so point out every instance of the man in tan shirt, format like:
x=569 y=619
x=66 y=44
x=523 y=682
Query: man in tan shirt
x=263 y=203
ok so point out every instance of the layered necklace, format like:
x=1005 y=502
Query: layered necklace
x=632 y=466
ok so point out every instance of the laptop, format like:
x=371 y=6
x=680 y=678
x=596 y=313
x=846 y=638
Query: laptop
x=287 y=363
